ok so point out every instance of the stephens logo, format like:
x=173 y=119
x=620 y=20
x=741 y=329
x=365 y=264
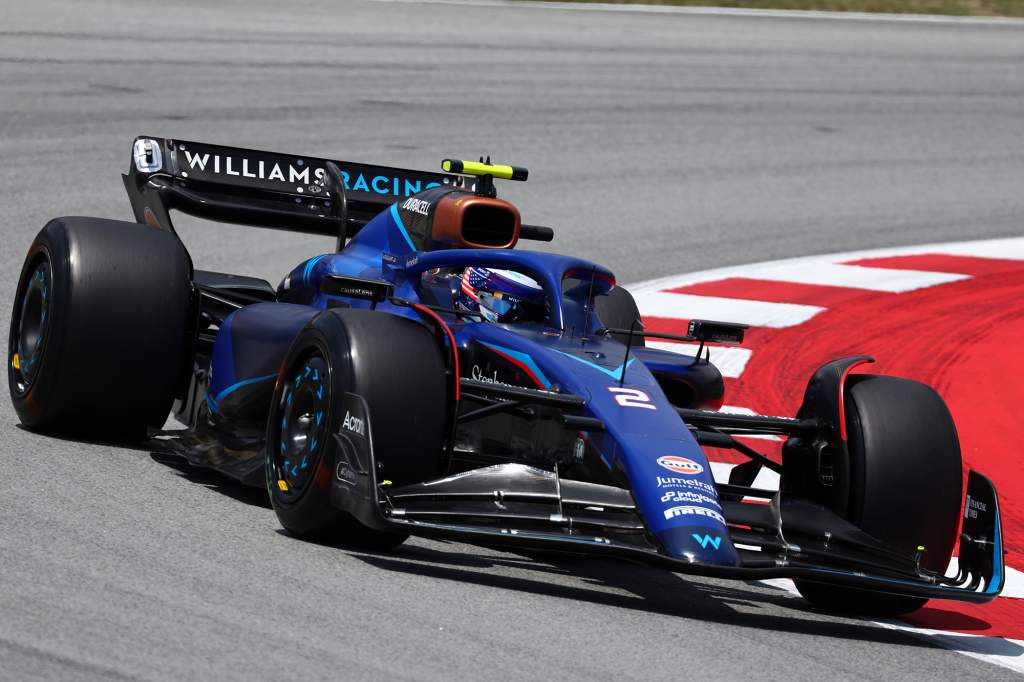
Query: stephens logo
x=681 y=465
x=479 y=375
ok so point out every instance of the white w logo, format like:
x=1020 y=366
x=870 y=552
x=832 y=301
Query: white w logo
x=706 y=540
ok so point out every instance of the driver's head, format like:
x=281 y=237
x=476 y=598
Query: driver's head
x=502 y=295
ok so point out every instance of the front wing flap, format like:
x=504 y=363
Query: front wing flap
x=517 y=507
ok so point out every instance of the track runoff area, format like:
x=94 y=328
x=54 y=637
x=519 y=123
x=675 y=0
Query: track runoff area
x=950 y=315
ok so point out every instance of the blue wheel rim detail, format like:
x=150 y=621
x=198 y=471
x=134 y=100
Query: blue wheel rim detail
x=300 y=427
x=32 y=327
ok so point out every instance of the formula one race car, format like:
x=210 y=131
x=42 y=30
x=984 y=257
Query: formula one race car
x=429 y=379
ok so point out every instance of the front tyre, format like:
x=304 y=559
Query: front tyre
x=395 y=365
x=836 y=599
x=906 y=482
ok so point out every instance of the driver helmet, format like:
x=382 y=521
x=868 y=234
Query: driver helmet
x=502 y=295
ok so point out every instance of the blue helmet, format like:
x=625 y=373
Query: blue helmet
x=502 y=295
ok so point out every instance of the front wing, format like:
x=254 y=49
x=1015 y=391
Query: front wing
x=515 y=506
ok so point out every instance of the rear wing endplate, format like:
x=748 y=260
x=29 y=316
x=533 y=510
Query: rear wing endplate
x=265 y=189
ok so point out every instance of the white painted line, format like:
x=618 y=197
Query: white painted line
x=769 y=480
x=754 y=313
x=726 y=11
x=759 y=437
x=766 y=479
x=1007 y=653
x=720 y=471
x=736 y=409
x=729 y=361
x=1014 y=587
x=1010 y=248
x=854 y=276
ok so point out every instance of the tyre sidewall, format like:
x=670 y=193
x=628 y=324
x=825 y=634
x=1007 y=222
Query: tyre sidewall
x=309 y=511
x=906 y=475
x=905 y=484
x=115 y=347
x=36 y=405
x=354 y=344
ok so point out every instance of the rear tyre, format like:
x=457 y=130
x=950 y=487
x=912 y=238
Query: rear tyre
x=97 y=340
x=617 y=310
x=397 y=367
x=906 y=482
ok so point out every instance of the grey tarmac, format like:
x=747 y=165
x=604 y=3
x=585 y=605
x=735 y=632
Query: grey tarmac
x=657 y=144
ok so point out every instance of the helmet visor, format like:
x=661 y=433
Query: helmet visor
x=494 y=306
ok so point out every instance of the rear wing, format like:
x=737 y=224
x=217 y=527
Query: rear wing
x=265 y=189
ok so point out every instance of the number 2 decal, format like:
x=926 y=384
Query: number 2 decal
x=631 y=397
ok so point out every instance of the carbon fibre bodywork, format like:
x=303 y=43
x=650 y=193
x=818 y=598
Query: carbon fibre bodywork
x=564 y=437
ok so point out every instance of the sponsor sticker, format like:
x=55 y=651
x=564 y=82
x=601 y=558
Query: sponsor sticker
x=676 y=482
x=691 y=497
x=246 y=168
x=489 y=376
x=417 y=206
x=972 y=508
x=354 y=424
x=345 y=473
x=681 y=465
x=690 y=510
x=705 y=540
x=632 y=397
x=299 y=173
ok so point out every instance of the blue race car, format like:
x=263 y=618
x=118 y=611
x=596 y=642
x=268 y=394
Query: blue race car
x=428 y=378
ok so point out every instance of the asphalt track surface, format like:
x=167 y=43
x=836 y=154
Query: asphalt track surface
x=657 y=144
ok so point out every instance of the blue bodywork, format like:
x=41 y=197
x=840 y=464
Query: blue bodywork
x=644 y=439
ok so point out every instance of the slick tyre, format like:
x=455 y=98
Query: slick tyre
x=906 y=481
x=97 y=340
x=618 y=310
x=396 y=366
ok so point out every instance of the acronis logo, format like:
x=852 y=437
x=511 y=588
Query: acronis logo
x=705 y=540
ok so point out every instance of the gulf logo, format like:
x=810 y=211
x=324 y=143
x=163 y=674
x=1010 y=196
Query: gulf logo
x=681 y=465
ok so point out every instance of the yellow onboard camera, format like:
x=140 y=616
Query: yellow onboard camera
x=486 y=171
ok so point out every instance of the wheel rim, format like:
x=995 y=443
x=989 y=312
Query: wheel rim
x=33 y=327
x=300 y=432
